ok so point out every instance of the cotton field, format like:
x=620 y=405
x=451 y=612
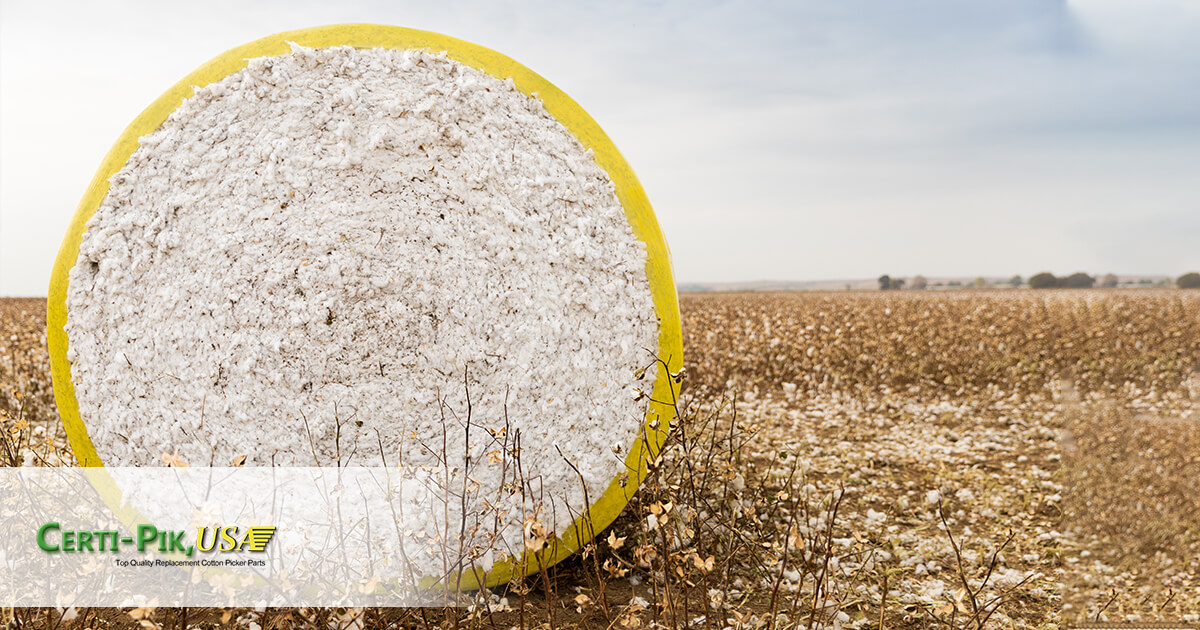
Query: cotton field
x=891 y=459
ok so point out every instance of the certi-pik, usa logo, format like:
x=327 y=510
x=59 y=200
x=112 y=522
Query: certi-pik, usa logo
x=52 y=538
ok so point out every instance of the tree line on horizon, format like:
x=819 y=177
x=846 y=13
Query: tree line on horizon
x=1043 y=280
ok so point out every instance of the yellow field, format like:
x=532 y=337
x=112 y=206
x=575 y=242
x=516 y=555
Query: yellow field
x=958 y=343
x=911 y=459
x=1069 y=417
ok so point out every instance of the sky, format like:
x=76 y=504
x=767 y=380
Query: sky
x=791 y=140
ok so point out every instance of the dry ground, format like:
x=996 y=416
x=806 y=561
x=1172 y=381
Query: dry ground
x=899 y=459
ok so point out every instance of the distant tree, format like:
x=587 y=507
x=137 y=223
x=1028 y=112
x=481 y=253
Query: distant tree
x=1016 y=281
x=1145 y=282
x=954 y=284
x=897 y=283
x=980 y=283
x=1189 y=281
x=1044 y=280
x=885 y=282
x=1109 y=281
x=1079 y=280
x=919 y=283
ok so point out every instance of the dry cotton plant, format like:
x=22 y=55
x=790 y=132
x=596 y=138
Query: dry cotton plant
x=30 y=433
x=868 y=460
x=1133 y=513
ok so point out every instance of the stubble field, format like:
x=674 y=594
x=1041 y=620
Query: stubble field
x=846 y=460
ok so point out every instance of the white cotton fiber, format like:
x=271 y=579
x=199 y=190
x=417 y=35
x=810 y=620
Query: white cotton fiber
x=324 y=253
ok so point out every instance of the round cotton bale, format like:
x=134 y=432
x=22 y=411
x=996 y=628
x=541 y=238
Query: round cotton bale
x=345 y=245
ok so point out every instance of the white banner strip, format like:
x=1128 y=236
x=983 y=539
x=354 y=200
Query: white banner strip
x=241 y=536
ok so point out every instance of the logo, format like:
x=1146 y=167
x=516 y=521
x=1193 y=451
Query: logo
x=52 y=538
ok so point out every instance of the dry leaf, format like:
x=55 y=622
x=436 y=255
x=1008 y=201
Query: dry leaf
x=173 y=460
x=958 y=600
x=535 y=534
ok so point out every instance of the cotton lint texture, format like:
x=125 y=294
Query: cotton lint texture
x=319 y=258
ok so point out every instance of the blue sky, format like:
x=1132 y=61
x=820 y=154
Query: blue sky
x=800 y=140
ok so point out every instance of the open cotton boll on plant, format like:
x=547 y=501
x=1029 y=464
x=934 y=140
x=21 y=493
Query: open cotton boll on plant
x=323 y=258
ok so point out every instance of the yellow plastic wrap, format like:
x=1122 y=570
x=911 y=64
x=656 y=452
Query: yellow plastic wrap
x=604 y=509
